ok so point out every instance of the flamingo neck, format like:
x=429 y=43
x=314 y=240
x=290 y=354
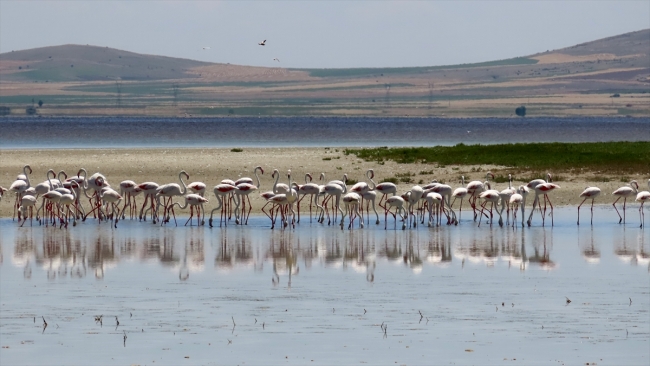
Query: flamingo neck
x=26 y=176
x=257 y=177
x=275 y=184
x=183 y=184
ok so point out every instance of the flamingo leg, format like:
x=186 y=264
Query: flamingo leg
x=583 y=201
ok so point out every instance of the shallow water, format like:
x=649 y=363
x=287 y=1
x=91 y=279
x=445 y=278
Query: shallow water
x=319 y=295
x=125 y=132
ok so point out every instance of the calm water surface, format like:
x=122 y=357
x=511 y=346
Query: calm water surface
x=319 y=295
x=108 y=132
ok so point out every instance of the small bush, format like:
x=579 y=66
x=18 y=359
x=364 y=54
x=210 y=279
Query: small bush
x=327 y=158
x=236 y=150
x=390 y=180
x=351 y=182
x=426 y=172
x=339 y=168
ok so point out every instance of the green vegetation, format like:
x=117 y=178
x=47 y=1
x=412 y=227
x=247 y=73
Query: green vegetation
x=236 y=150
x=603 y=157
x=412 y=70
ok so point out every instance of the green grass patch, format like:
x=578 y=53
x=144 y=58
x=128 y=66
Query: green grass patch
x=604 y=157
x=236 y=150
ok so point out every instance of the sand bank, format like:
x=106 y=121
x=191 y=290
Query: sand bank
x=212 y=165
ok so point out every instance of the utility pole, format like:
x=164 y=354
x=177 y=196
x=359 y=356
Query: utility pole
x=118 y=100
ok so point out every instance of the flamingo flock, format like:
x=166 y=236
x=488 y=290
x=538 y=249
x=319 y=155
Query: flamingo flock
x=333 y=201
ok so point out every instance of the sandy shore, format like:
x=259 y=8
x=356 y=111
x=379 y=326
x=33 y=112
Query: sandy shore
x=212 y=165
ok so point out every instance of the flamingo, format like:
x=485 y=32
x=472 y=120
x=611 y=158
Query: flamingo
x=433 y=199
x=362 y=188
x=195 y=201
x=385 y=188
x=475 y=188
x=335 y=189
x=27 y=202
x=65 y=201
x=491 y=196
x=370 y=197
x=445 y=191
x=542 y=188
x=127 y=187
x=19 y=186
x=589 y=193
x=244 y=188
x=112 y=199
x=169 y=191
x=2 y=192
x=416 y=193
x=398 y=203
x=94 y=183
x=505 y=199
x=643 y=197
x=624 y=192
x=516 y=199
x=311 y=189
x=460 y=192
x=149 y=190
x=221 y=191
x=284 y=203
x=267 y=196
x=351 y=201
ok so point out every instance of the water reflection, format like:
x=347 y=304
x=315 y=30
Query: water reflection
x=94 y=250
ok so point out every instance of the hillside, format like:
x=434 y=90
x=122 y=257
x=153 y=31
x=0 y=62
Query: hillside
x=91 y=63
x=90 y=80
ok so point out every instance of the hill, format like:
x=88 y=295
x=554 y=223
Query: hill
x=610 y=76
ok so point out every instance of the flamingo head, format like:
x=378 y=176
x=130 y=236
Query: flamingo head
x=64 y=174
x=489 y=174
x=372 y=173
x=345 y=177
x=310 y=177
x=187 y=176
x=51 y=171
x=260 y=168
x=550 y=178
x=322 y=176
x=99 y=181
x=28 y=167
x=634 y=184
x=289 y=173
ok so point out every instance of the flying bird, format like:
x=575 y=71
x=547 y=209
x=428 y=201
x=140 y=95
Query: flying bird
x=276 y=59
x=263 y=43
x=206 y=48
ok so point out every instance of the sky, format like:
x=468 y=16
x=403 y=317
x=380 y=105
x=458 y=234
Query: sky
x=320 y=34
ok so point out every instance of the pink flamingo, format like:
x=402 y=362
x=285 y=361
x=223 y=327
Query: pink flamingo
x=65 y=201
x=149 y=190
x=433 y=199
x=589 y=193
x=385 y=188
x=127 y=187
x=194 y=201
x=515 y=200
x=111 y=198
x=398 y=203
x=362 y=188
x=244 y=189
x=624 y=192
x=351 y=202
x=491 y=196
x=445 y=191
x=221 y=191
x=284 y=203
x=505 y=200
x=475 y=188
x=168 y=191
x=542 y=189
x=643 y=197
x=27 y=202
x=311 y=189
x=267 y=197
x=370 y=197
x=335 y=189
x=94 y=183
x=460 y=192
x=19 y=186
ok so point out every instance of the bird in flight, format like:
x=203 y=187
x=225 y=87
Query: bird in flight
x=276 y=59
x=263 y=43
x=206 y=47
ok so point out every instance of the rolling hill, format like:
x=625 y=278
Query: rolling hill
x=76 y=79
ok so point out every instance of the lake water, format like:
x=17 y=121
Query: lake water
x=110 y=132
x=319 y=295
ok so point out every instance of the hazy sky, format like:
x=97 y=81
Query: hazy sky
x=320 y=33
